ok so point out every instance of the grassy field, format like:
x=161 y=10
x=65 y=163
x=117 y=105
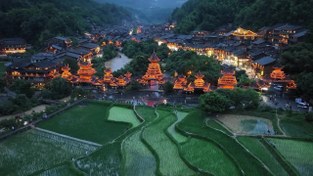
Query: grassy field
x=146 y=112
x=208 y=157
x=170 y=162
x=298 y=153
x=87 y=122
x=105 y=161
x=119 y=114
x=139 y=160
x=295 y=126
x=28 y=152
x=210 y=122
x=172 y=131
x=194 y=123
x=65 y=169
x=259 y=150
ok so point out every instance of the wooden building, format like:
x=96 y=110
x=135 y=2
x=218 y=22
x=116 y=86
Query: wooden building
x=13 y=46
x=154 y=73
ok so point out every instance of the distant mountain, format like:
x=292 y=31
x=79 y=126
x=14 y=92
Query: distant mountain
x=150 y=11
x=38 y=20
x=143 y=4
x=210 y=14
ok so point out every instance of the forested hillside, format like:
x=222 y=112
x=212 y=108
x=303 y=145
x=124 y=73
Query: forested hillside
x=210 y=14
x=38 y=20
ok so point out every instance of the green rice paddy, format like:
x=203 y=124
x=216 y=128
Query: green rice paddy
x=139 y=160
x=28 y=152
x=164 y=143
x=255 y=146
x=88 y=122
x=172 y=131
x=119 y=114
x=209 y=157
x=298 y=153
x=170 y=162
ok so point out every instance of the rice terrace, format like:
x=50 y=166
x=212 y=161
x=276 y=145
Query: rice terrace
x=102 y=138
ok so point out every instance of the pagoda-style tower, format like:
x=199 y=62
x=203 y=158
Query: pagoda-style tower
x=154 y=73
x=227 y=81
x=278 y=74
x=180 y=83
x=198 y=84
x=85 y=72
x=291 y=85
x=66 y=74
x=121 y=81
x=107 y=78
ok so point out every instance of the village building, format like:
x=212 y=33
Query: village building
x=228 y=80
x=180 y=82
x=38 y=72
x=13 y=46
x=154 y=73
x=243 y=34
x=285 y=34
x=58 y=44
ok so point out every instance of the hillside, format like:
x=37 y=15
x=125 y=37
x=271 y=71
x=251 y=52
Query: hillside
x=38 y=20
x=149 y=11
x=143 y=4
x=210 y=14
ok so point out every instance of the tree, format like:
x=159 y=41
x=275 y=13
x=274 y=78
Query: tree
x=58 y=88
x=79 y=92
x=305 y=85
x=36 y=21
x=241 y=98
x=214 y=102
x=185 y=61
x=22 y=102
x=22 y=87
x=168 y=87
x=133 y=85
x=298 y=58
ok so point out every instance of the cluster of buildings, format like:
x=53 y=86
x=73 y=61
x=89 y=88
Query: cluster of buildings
x=255 y=52
x=13 y=46
x=226 y=81
x=46 y=65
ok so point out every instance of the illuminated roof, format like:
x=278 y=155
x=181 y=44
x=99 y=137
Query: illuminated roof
x=244 y=33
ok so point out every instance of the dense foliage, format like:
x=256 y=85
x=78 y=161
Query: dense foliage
x=207 y=15
x=214 y=102
x=184 y=61
x=57 y=88
x=221 y=100
x=211 y=14
x=140 y=52
x=37 y=21
x=22 y=87
x=298 y=61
